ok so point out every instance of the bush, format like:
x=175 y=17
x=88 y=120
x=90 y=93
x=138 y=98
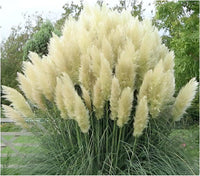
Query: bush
x=39 y=41
x=104 y=95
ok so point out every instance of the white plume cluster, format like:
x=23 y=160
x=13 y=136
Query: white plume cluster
x=109 y=55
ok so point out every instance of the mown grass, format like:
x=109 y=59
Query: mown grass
x=26 y=139
x=187 y=139
x=10 y=127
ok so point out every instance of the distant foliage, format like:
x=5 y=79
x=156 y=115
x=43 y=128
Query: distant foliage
x=12 y=50
x=39 y=41
x=134 y=5
x=182 y=27
x=183 y=36
x=70 y=10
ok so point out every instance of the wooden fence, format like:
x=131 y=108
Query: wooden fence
x=11 y=144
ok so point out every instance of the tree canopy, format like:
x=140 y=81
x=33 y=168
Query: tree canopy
x=180 y=21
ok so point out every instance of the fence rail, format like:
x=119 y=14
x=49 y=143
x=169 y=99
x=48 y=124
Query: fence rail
x=22 y=133
x=12 y=145
x=7 y=120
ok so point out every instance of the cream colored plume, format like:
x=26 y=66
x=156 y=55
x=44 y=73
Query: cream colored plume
x=25 y=85
x=134 y=32
x=14 y=115
x=59 y=99
x=68 y=94
x=105 y=78
x=81 y=115
x=107 y=51
x=126 y=69
x=65 y=54
x=110 y=55
x=30 y=71
x=86 y=97
x=144 y=89
x=57 y=55
x=158 y=86
x=32 y=74
x=124 y=106
x=114 y=98
x=17 y=101
x=38 y=98
x=141 y=117
x=145 y=51
x=98 y=99
x=86 y=76
x=184 y=99
x=47 y=78
x=96 y=60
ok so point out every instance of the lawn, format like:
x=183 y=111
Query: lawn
x=186 y=138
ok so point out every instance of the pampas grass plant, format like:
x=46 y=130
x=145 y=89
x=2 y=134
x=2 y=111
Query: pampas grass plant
x=104 y=97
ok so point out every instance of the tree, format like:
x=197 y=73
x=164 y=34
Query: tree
x=12 y=50
x=39 y=41
x=73 y=10
x=183 y=36
x=180 y=21
x=134 y=5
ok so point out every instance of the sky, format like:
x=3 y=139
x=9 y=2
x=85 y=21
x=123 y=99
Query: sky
x=12 y=11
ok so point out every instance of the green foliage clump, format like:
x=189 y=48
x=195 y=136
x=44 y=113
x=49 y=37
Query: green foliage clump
x=182 y=36
x=39 y=41
x=12 y=50
x=11 y=53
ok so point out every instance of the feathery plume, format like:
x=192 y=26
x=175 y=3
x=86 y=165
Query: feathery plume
x=105 y=77
x=124 y=106
x=184 y=99
x=81 y=115
x=17 y=101
x=159 y=88
x=38 y=98
x=25 y=85
x=86 y=97
x=141 y=117
x=98 y=100
x=59 y=99
x=115 y=94
x=125 y=69
x=144 y=89
x=107 y=51
x=69 y=94
x=86 y=76
x=14 y=115
x=47 y=78
x=135 y=33
x=31 y=72
x=145 y=50
x=96 y=60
